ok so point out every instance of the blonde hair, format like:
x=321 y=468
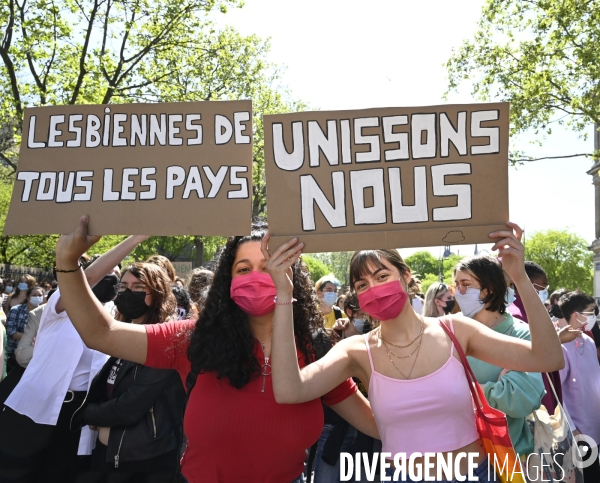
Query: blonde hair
x=430 y=309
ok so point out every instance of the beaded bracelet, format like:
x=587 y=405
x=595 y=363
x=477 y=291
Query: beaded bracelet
x=284 y=303
x=67 y=271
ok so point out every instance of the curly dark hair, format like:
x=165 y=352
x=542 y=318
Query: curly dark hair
x=222 y=340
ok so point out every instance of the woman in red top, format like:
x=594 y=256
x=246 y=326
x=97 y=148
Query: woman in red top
x=235 y=429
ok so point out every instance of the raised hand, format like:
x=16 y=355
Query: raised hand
x=511 y=250
x=279 y=264
x=70 y=247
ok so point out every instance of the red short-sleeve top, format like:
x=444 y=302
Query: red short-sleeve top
x=238 y=434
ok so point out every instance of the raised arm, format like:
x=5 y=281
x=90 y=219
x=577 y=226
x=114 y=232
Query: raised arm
x=96 y=327
x=544 y=352
x=290 y=384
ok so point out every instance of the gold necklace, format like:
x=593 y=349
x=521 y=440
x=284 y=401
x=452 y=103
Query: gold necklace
x=398 y=346
x=413 y=365
x=397 y=356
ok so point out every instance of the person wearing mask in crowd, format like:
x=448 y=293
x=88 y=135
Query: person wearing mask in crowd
x=138 y=410
x=581 y=375
x=481 y=295
x=554 y=311
x=199 y=284
x=421 y=404
x=416 y=294
x=24 y=351
x=37 y=444
x=338 y=436
x=327 y=292
x=18 y=296
x=357 y=322
x=341 y=302
x=165 y=264
x=17 y=319
x=539 y=280
x=438 y=300
x=232 y=411
x=185 y=307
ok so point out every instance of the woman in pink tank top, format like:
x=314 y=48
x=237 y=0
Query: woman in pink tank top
x=417 y=387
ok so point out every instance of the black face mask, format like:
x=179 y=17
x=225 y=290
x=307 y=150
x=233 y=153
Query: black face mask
x=556 y=312
x=449 y=306
x=131 y=305
x=105 y=288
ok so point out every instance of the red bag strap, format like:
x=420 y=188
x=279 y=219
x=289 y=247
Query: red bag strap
x=476 y=391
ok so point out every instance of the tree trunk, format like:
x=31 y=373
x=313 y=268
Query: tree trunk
x=199 y=258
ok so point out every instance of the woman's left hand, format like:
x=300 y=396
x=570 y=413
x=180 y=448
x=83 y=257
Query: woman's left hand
x=511 y=250
x=279 y=264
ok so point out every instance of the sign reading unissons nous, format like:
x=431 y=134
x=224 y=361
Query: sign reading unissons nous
x=389 y=177
x=160 y=169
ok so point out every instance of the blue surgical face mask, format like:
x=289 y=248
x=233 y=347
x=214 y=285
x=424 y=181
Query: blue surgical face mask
x=22 y=286
x=330 y=298
x=509 y=298
x=359 y=324
x=8 y=289
x=470 y=302
x=543 y=294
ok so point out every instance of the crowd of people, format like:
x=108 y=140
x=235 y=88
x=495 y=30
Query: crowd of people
x=119 y=373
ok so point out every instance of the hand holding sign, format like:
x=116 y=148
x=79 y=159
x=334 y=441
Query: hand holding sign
x=70 y=247
x=279 y=264
x=511 y=250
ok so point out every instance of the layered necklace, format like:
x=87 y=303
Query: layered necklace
x=265 y=368
x=391 y=355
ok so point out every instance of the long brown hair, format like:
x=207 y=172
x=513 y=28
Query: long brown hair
x=165 y=264
x=158 y=282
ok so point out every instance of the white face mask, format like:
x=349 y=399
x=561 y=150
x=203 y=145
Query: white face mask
x=330 y=298
x=509 y=298
x=359 y=324
x=543 y=294
x=35 y=301
x=470 y=302
x=589 y=322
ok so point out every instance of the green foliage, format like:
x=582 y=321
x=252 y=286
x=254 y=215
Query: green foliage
x=427 y=267
x=339 y=264
x=564 y=256
x=541 y=55
x=423 y=263
x=32 y=251
x=316 y=267
x=173 y=247
x=103 y=51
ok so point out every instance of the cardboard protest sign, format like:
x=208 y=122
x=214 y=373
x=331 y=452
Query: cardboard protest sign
x=389 y=177
x=154 y=169
x=183 y=270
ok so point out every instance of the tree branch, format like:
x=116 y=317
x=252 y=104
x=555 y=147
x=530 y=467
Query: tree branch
x=32 y=68
x=10 y=67
x=86 y=43
x=530 y=160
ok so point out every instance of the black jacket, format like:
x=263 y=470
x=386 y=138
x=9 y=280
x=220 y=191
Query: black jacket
x=145 y=413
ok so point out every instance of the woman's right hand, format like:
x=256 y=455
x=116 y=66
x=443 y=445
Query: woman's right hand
x=70 y=247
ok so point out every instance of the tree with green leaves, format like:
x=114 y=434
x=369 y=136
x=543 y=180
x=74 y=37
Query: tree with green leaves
x=540 y=55
x=107 y=51
x=316 y=267
x=564 y=256
x=423 y=263
x=339 y=263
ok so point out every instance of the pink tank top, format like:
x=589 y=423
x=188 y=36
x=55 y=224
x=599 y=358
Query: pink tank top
x=433 y=413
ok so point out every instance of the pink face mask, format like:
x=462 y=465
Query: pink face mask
x=383 y=302
x=254 y=293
